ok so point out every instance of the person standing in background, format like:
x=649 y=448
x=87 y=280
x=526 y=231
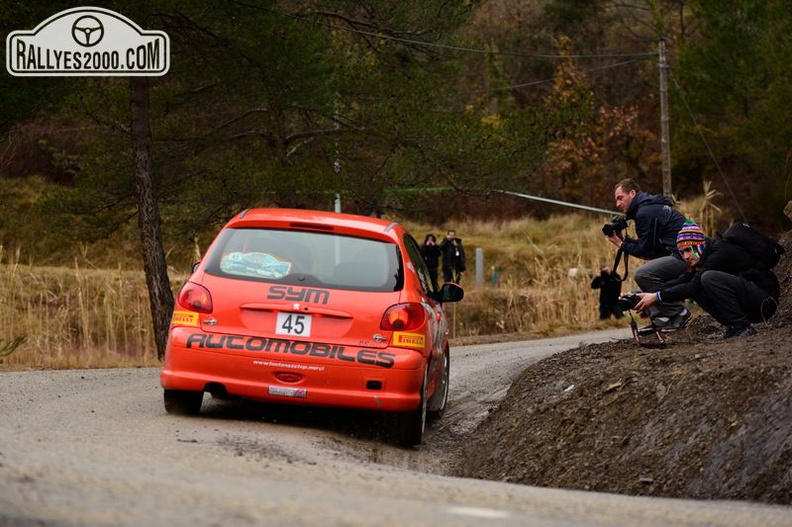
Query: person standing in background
x=453 y=258
x=431 y=255
x=609 y=284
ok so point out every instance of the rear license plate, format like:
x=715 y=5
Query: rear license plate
x=295 y=324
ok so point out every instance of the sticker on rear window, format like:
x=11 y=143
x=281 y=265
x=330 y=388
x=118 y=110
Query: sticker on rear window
x=260 y=265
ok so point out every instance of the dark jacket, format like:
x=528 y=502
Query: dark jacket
x=431 y=255
x=609 y=285
x=721 y=256
x=453 y=254
x=657 y=224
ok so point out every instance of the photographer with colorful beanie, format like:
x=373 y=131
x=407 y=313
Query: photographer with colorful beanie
x=724 y=279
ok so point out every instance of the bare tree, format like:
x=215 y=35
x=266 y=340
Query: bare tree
x=154 y=265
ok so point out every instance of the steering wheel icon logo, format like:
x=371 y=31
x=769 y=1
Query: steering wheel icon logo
x=87 y=31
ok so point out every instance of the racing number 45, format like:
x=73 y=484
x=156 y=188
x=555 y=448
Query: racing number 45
x=293 y=324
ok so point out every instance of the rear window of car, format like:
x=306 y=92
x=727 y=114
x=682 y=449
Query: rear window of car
x=306 y=259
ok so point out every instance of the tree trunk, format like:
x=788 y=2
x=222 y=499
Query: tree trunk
x=154 y=265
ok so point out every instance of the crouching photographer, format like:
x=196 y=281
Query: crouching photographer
x=724 y=278
x=656 y=225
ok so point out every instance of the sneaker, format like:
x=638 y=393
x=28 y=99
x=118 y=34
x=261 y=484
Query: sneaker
x=739 y=331
x=678 y=321
x=661 y=322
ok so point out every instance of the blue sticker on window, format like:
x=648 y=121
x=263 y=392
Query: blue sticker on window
x=261 y=265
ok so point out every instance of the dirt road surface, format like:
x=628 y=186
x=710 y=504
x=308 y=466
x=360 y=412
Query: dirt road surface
x=95 y=447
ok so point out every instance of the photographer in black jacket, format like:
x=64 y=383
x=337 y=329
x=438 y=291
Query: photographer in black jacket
x=609 y=284
x=656 y=225
x=454 y=265
x=724 y=279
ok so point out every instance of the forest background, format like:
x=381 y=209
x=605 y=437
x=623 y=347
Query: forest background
x=424 y=111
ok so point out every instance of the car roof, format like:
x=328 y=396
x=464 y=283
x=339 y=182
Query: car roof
x=317 y=220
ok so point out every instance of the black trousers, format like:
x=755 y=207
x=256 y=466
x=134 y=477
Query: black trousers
x=606 y=310
x=451 y=275
x=433 y=277
x=733 y=300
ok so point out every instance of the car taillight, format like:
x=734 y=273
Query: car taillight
x=195 y=298
x=403 y=317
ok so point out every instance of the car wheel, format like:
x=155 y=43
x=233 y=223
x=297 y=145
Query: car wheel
x=409 y=426
x=439 y=401
x=183 y=403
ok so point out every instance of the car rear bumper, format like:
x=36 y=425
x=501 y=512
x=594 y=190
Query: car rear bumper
x=386 y=379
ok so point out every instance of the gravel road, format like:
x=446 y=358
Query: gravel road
x=95 y=447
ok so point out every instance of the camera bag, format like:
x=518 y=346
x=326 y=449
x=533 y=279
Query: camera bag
x=764 y=249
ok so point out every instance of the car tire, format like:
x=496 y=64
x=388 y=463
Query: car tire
x=409 y=426
x=439 y=400
x=181 y=402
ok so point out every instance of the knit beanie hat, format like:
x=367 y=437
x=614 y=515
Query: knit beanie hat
x=691 y=235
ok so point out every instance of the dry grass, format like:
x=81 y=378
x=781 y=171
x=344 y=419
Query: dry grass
x=81 y=317
x=74 y=317
x=703 y=209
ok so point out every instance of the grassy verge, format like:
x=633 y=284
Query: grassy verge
x=74 y=318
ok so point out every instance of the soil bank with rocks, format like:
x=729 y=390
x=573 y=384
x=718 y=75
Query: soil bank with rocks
x=704 y=418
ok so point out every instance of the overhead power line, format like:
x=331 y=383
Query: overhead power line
x=448 y=47
x=545 y=81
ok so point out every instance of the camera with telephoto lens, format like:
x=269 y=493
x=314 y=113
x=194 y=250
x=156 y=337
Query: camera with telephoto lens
x=616 y=225
x=629 y=301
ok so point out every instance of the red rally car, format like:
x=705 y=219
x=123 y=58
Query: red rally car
x=313 y=308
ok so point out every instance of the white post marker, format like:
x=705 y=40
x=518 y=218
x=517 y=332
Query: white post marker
x=479 y=266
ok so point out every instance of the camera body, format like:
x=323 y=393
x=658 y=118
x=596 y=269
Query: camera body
x=616 y=225
x=629 y=301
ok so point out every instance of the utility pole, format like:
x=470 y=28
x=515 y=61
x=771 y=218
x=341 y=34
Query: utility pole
x=665 y=150
x=337 y=162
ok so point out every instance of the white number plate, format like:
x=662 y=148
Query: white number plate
x=295 y=324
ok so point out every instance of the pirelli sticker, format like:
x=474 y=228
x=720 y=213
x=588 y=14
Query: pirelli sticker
x=184 y=318
x=409 y=340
